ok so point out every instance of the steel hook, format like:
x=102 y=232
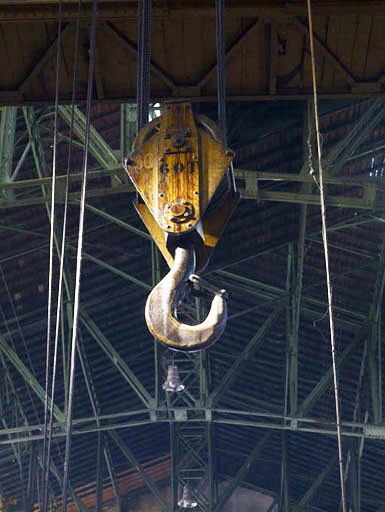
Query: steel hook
x=166 y=296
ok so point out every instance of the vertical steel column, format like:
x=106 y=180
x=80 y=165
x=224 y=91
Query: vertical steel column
x=7 y=142
x=127 y=128
x=99 y=474
x=102 y=442
x=374 y=347
x=155 y=280
x=174 y=458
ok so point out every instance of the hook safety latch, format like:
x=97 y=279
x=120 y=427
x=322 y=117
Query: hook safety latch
x=162 y=303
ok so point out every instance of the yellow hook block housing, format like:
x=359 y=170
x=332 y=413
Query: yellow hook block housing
x=180 y=168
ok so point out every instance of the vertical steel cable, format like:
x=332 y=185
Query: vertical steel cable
x=62 y=255
x=44 y=491
x=143 y=71
x=79 y=256
x=221 y=77
x=326 y=251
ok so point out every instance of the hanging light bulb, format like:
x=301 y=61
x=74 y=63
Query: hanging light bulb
x=187 y=500
x=173 y=382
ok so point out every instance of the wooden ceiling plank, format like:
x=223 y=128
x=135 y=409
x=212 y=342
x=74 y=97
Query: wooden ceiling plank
x=125 y=41
x=45 y=58
x=326 y=51
x=361 y=46
x=252 y=28
x=118 y=10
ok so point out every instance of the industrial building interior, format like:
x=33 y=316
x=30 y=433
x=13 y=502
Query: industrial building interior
x=252 y=423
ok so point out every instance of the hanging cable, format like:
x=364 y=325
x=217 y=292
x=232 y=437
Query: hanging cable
x=62 y=252
x=326 y=253
x=44 y=491
x=221 y=77
x=143 y=72
x=79 y=256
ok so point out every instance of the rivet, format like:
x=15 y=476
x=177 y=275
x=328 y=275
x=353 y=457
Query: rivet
x=196 y=192
x=161 y=195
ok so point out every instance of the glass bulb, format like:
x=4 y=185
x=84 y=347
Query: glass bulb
x=173 y=382
x=187 y=500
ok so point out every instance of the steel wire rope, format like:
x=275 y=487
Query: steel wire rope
x=45 y=464
x=79 y=256
x=326 y=254
x=221 y=77
x=62 y=251
x=143 y=90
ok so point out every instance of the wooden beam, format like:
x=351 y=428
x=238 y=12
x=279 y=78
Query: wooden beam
x=240 y=40
x=46 y=10
x=132 y=48
x=326 y=51
x=44 y=58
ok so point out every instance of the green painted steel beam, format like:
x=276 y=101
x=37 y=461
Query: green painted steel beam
x=59 y=477
x=354 y=477
x=254 y=343
x=366 y=199
x=116 y=271
x=20 y=367
x=98 y=147
x=43 y=171
x=243 y=470
x=117 y=221
x=7 y=144
x=115 y=358
x=174 y=471
x=295 y=290
x=375 y=338
x=276 y=292
x=99 y=474
x=332 y=464
x=134 y=462
x=269 y=421
x=326 y=380
x=75 y=177
x=96 y=410
x=284 y=492
x=156 y=277
x=127 y=128
x=345 y=148
x=368 y=202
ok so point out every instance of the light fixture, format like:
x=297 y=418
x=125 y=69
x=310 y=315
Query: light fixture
x=173 y=382
x=187 y=500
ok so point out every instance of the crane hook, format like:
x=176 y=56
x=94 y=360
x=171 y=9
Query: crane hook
x=166 y=296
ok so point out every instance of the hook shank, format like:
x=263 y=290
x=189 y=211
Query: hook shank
x=166 y=296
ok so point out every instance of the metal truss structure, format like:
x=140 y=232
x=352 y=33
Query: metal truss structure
x=193 y=416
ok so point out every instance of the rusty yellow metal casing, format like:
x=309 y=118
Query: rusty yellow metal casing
x=177 y=168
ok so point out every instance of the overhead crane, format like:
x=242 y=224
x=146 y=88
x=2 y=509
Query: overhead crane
x=182 y=172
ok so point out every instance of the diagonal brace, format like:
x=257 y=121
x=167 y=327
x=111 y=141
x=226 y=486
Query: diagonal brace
x=243 y=470
x=113 y=355
x=147 y=480
x=255 y=342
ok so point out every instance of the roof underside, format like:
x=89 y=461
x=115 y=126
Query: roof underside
x=269 y=376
